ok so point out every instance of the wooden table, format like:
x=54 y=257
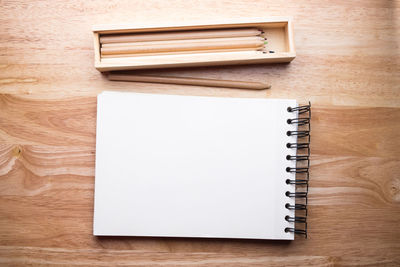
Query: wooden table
x=347 y=65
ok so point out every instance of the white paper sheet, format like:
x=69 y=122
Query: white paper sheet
x=188 y=166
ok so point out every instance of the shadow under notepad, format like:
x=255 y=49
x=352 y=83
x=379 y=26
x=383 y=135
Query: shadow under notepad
x=209 y=244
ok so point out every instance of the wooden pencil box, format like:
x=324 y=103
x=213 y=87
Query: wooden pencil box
x=279 y=49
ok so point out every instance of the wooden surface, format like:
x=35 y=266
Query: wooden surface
x=347 y=64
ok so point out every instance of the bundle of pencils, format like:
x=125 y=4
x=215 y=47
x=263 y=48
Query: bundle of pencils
x=181 y=42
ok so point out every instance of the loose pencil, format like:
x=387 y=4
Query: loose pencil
x=178 y=35
x=189 y=81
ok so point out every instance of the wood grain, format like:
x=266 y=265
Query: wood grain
x=347 y=64
x=344 y=57
x=46 y=188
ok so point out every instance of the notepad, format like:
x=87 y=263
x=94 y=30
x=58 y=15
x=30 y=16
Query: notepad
x=194 y=166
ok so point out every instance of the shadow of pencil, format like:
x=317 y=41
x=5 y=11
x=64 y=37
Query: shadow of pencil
x=211 y=70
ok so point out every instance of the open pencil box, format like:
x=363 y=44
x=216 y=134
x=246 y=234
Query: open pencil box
x=128 y=47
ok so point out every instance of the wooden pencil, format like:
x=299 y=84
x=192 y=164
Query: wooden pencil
x=258 y=42
x=189 y=81
x=182 y=52
x=191 y=41
x=178 y=35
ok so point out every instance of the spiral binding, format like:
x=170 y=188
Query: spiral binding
x=302 y=167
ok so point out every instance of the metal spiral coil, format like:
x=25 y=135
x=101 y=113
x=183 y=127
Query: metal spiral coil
x=298 y=133
x=296 y=231
x=296 y=219
x=296 y=194
x=297 y=158
x=297 y=181
x=296 y=206
x=299 y=121
x=297 y=169
x=303 y=159
x=298 y=145
x=300 y=109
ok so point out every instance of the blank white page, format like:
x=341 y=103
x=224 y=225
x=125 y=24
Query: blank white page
x=191 y=166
